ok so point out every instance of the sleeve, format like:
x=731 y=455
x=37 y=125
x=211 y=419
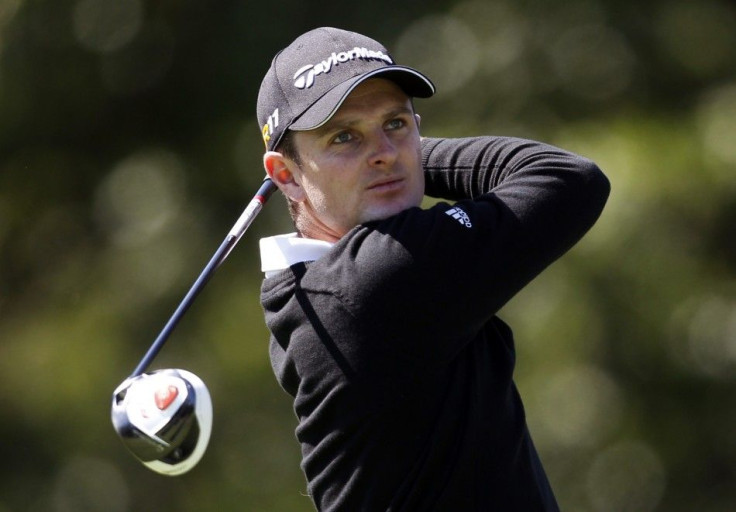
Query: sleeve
x=442 y=273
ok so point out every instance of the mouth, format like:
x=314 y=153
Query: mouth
x=387 y=185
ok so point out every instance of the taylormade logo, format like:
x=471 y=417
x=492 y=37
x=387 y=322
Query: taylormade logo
x=304 y=78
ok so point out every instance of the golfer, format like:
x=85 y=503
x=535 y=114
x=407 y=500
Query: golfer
x=382 y=314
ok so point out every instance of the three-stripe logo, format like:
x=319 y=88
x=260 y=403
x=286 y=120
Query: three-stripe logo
x=459 y=215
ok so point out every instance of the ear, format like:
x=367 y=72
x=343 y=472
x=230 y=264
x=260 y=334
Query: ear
x=281 y=170
x=419 y=120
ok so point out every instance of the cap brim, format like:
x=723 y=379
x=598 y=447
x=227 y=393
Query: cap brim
x=412 y=82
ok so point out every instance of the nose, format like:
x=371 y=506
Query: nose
x=383 y=152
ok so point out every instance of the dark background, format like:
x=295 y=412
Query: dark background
x=129 y=146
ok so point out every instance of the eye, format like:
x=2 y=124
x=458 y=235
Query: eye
x=395 y=124
x=342 y=138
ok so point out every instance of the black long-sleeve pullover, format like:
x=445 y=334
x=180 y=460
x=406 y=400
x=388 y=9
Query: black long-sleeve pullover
x=389 y=343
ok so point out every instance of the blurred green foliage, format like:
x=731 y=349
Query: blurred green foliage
x=129 y=145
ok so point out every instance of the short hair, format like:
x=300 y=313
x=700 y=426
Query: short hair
x=287 y=147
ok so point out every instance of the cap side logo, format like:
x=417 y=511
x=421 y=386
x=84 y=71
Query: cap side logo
x=304 y=77
x=271 y=124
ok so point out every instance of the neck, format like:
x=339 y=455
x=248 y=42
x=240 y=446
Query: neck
x=309 y=227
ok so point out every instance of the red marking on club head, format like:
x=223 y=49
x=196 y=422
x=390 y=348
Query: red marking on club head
x=164 y=396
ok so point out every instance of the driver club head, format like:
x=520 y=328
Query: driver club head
x=164 y=418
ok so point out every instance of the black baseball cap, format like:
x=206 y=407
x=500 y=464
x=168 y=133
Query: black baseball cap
x=309 y=79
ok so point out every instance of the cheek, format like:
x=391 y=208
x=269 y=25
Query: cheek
x=320 y=193
x=313 y=192
x=332 y=178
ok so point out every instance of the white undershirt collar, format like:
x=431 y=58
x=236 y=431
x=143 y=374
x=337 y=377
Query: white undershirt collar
x=282 y=251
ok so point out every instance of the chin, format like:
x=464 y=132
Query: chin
x=388 y=211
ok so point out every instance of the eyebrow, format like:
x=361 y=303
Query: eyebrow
x=337 y=124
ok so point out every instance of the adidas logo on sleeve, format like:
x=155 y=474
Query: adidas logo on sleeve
x=459 y=215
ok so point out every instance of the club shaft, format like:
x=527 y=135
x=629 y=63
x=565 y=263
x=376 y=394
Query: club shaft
x=246 y=218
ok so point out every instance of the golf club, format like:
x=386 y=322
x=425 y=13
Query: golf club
x=164 y=418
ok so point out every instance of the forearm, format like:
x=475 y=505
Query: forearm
x=555 y=195
x=466 y=168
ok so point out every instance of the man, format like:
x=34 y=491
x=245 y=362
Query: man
x=382 y=315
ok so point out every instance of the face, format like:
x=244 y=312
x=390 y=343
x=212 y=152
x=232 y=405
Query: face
x=362 y=165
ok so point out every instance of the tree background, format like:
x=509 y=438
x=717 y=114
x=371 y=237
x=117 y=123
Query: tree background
x=129 y=146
